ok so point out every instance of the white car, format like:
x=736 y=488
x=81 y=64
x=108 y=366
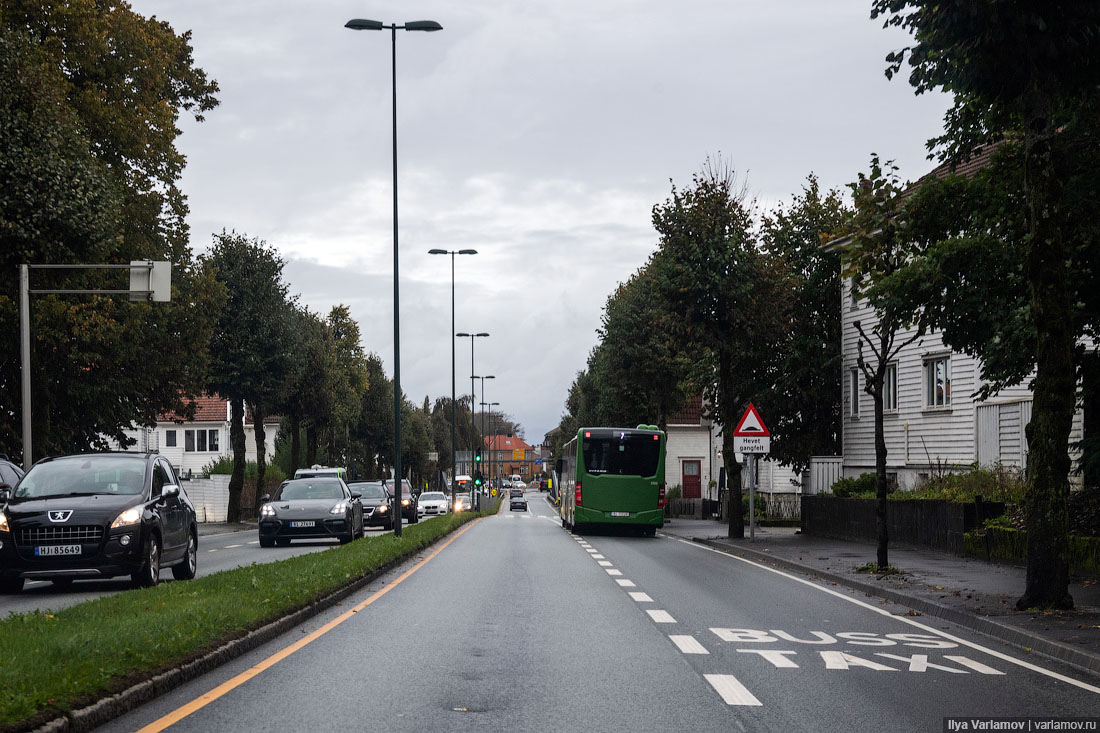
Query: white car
x=463 y=503
x=432 y=503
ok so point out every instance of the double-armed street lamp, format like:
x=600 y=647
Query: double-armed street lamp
x=490 y=376
x=473 y=395
x=360 y=24
x=490 y=405
x=452 y=253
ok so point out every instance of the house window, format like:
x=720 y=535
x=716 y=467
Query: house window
x=937 y=382
x=200 y=441
x=853 y=390
x=890 y=388
x=170 y=438
x=853 y=298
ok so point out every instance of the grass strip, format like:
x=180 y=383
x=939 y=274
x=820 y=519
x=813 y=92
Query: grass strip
x=58 y=662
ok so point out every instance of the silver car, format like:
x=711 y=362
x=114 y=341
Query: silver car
x=432 y=503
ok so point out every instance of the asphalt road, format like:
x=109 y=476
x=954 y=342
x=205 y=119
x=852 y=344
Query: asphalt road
x=217 y=552
x=518 y=625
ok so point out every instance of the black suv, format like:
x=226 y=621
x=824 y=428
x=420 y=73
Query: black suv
x=96 y=515
x=409 y=508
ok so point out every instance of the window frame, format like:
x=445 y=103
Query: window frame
x=853 y=392
x=890 y=388
x=933 y=381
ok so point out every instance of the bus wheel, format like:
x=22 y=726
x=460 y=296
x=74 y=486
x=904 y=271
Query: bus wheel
x=649 y=531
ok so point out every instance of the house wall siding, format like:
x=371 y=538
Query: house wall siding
x=688 y=442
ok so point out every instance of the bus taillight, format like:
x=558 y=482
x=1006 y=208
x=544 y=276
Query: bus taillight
x=660 y=496
x=577 y=494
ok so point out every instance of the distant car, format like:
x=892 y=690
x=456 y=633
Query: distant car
x=517 y=502
x=463 y=503
x=311 y=508
x=505 y=483
x=377 y=504
x=408 y=499
x=432 y=503
x=316 y=471
x=518 y=484
x=97 y=515
x=514 y=492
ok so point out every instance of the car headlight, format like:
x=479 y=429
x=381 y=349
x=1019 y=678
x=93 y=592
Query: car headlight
x=129 y=517
x=4 y=522
x=404 y=502
x=382 y=509
x=267 y=511
x=339 y=508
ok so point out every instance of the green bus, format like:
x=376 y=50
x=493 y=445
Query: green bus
x=613 y=477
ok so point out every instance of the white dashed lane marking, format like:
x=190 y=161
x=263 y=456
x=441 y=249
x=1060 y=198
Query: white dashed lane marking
x=625 y=583
x=688 y=644
x=732 y=691
x=640 y=597
x=613 y=571
x=604 y=563
x=661 y=617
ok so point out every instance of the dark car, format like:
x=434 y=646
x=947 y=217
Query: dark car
x=97 y=515
x=311 y=508
x=377 y=504
x=513 y=493
x=408 y=499
x=517 y=502
x=10 y=473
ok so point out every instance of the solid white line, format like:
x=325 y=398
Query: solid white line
x=640 y=597
x=732 y=691
x=906 y=620
x=688 y=644
x=661 y=617
x=625 y=583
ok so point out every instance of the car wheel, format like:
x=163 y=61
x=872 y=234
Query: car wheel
x=650 y=531
x=11 y=585
x=267 y=542
x=186 y=569
x=149 y=574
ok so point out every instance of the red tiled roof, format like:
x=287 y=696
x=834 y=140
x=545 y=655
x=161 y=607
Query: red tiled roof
x=690 y=414
x=503 y=442
x=212 y=408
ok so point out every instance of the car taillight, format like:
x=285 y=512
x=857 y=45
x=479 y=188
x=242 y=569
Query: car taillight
x=660 y=496
x=577 y=494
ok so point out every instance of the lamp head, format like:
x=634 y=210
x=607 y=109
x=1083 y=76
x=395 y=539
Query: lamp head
x=361 y=24
x=438 y=252
x=423 y=25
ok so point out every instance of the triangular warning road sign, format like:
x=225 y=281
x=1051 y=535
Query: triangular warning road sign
x=751 y=424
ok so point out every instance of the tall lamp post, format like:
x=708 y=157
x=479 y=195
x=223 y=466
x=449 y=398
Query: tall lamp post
x=473 y=395
x=452 y=253
x=491 y=376
x=491 y=405
x=359 y=24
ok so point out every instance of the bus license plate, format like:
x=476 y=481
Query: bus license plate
x=302 y=524
x=45 y=550
x=620 y=514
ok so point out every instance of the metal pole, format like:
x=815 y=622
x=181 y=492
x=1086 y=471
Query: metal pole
x=25 y=355
x=453 y=337
x=752 y=497
x=396 y=311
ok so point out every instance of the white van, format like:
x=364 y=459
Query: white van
x=316 y=471
x=517 y=481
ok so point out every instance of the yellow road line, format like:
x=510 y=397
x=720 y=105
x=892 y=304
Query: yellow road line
x=205 y=699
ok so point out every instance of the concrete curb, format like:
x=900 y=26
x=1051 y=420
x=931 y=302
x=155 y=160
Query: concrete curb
x=109 y=708
x=1081 y=660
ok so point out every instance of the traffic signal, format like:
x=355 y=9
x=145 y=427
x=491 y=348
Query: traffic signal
x=477 y=478
x=477 y=456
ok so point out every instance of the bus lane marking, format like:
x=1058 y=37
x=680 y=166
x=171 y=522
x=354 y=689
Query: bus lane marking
x=941 y=635
x=688 y=644
x=732 y=691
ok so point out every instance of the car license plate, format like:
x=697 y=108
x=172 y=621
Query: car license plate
x=45 y=550
x=302 y=523
x=620 y=514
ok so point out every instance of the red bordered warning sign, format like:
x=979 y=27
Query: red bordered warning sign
x=751 y=435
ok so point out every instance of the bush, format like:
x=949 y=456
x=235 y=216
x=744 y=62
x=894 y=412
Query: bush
x=761 y=505
x=224 y=465
x=862 y=486
x=674 y=493
x=999 y=483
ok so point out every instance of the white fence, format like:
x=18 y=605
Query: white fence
x=210 y=497
x=824 y=471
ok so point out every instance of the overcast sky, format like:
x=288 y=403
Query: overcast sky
x=539 y=132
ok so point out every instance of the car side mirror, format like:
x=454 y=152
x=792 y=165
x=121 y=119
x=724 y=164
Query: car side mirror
x=265 y=497
x=356 y=495
x=169 y=490
x=5 y=492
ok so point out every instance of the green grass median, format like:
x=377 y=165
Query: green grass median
x=56 y=662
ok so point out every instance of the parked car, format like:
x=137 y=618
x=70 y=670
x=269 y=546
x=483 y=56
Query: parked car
x=10 y=473
x=97 y=515
x=432 y=502
x=310 y=508
x=408 y=499
x=463 y=503
x=517 y=502
x=377 y=504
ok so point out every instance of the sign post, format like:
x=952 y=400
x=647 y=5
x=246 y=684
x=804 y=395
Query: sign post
x=752 y=438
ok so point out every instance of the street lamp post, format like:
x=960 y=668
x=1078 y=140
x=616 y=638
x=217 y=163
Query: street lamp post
x=491 y=376
x=473 y=394
x=360 y=24
x=452 y=253
x=491 y=405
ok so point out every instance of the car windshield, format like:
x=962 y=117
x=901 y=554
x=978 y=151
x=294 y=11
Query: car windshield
x=369 y=491
x=310 y=489
x=105 y=474
x=432 y=496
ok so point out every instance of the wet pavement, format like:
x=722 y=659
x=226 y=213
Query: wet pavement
x=977 y=594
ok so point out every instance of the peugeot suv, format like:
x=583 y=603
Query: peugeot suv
x=96 y=515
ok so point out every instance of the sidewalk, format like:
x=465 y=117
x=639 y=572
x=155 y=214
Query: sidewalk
x=972 y=593
x=206 y=528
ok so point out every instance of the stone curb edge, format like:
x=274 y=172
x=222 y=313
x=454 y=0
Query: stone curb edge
x=109 y=708
x=1081 y=660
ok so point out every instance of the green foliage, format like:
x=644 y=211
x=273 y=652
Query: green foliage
x=273 y=474
x=991 y=484
x=862 y=486
x=674 y=493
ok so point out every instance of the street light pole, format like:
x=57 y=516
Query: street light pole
x=360 y=24
x=473 y=394
x=491 y=376
x=491 y=405
x=452 y=253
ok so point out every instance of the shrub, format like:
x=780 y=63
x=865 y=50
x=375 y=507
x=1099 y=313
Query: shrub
x=998 y=483
x=273 y=474
x=674 y=493
x=860 y=486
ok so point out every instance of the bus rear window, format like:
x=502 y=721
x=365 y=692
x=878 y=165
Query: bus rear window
x=621 y=454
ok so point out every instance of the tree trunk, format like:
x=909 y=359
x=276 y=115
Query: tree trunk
x=295 y=443
x=311 y=444
x=733 y=484
x=258 y=415
x=237 y=443
x=1055 y=385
